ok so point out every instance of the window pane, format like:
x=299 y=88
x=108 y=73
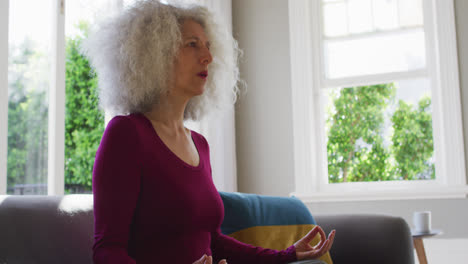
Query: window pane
x=375 y=54
x=385 y=14
x=411 y=13
x=87 y=11
x=380 y=132
x=335 y=19
x=84 y=122
x=360 y=16
x=29 y=64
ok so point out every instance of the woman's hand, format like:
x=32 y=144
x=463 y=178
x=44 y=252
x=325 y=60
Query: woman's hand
x=208 y=260
x=305 y=251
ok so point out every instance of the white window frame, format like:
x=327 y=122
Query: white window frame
x=310 y=155
x=56 y=137
x=4 y=7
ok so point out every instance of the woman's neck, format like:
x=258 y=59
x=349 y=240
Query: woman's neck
x=168 y=115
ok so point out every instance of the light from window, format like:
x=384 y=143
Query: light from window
x=29 y=65
x=400 y=52
x=348 y=17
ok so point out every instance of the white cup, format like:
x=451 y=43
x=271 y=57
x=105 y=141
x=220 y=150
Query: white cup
x=422 y=221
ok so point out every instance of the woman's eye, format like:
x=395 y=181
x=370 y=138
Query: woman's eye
x=192 y=44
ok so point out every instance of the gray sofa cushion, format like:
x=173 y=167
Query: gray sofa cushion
x=363 y=238
x=46 y=229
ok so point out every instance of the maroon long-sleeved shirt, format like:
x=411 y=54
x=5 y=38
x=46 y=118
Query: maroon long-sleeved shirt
x=152 y=207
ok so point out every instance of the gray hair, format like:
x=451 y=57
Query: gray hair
x=133 y=54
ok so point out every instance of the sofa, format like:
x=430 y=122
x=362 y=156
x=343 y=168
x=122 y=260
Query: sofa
x=59 y=229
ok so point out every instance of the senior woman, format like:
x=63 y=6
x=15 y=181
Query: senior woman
x=154 y=198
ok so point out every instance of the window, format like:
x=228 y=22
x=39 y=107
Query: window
x=29 y=69
x=367 y=79
x=51 y=126
x=379 y=128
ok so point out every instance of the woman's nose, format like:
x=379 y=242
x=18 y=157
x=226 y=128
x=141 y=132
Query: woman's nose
x=206 y=57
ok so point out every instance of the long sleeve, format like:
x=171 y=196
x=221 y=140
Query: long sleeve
x=235 y=252
x=116 y=184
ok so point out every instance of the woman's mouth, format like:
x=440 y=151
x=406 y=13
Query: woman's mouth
x=203 y=74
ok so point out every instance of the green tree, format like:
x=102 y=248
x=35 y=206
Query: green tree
x=372 y=164
x=413 y=144
x=27 y=115
x=355 y=147
x=84 y=122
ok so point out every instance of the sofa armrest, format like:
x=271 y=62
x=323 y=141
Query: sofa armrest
x=362 y=238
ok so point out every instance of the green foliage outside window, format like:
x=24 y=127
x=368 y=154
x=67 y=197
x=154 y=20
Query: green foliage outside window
x=356 y=144
x=413 y=144
x=28 y=118
x=84 y=122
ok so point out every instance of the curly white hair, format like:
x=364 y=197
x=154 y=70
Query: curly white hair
x=133 y=55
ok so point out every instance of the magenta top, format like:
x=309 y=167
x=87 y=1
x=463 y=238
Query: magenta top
x=152 y=207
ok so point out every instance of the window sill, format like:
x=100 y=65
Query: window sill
x=443 y=192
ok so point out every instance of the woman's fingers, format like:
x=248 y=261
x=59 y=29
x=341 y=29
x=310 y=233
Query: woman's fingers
x=208 y=260
x=201 y=260
x=305 y=251
x=323 y=237
x=326 y=246
x=316 y=253
x=331 y=238
x=313 y=233
x=309 y=236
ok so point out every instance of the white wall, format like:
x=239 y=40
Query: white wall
x=263 y=115
x=264 y=126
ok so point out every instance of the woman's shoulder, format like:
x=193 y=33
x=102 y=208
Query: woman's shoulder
x=198 y=136
x=199 y=139
x=126 y=126
x=130 y=121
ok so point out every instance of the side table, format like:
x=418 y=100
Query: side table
x=419 y=245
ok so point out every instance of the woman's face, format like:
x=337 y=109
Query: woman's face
x=191 y=64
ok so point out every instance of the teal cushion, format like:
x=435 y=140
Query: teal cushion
x=243 y=210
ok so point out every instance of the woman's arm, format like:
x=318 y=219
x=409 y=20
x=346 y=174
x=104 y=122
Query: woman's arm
x=235 y=252
x=116 y=181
